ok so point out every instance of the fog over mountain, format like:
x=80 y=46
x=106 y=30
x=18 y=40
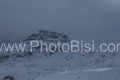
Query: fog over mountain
x=78 y=18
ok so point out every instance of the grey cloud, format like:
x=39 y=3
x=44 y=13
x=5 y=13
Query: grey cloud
x=78 y=18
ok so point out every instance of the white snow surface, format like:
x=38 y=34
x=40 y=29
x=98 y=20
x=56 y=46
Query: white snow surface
x=64 y=65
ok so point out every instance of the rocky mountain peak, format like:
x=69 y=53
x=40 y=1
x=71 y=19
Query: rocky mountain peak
x=48 y=36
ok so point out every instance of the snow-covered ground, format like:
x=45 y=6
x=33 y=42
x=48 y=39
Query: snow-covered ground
x=64 y=65
x=99 y=74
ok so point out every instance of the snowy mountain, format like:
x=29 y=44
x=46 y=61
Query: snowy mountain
x=49 y=36
x=60 y=65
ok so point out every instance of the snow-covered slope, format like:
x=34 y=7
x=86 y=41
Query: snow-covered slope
x=61 y=65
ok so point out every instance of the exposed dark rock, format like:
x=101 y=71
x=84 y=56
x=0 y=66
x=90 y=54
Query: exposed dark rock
x=8 y=78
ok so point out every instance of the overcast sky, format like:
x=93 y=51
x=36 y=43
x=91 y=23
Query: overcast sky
x=76 y=18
